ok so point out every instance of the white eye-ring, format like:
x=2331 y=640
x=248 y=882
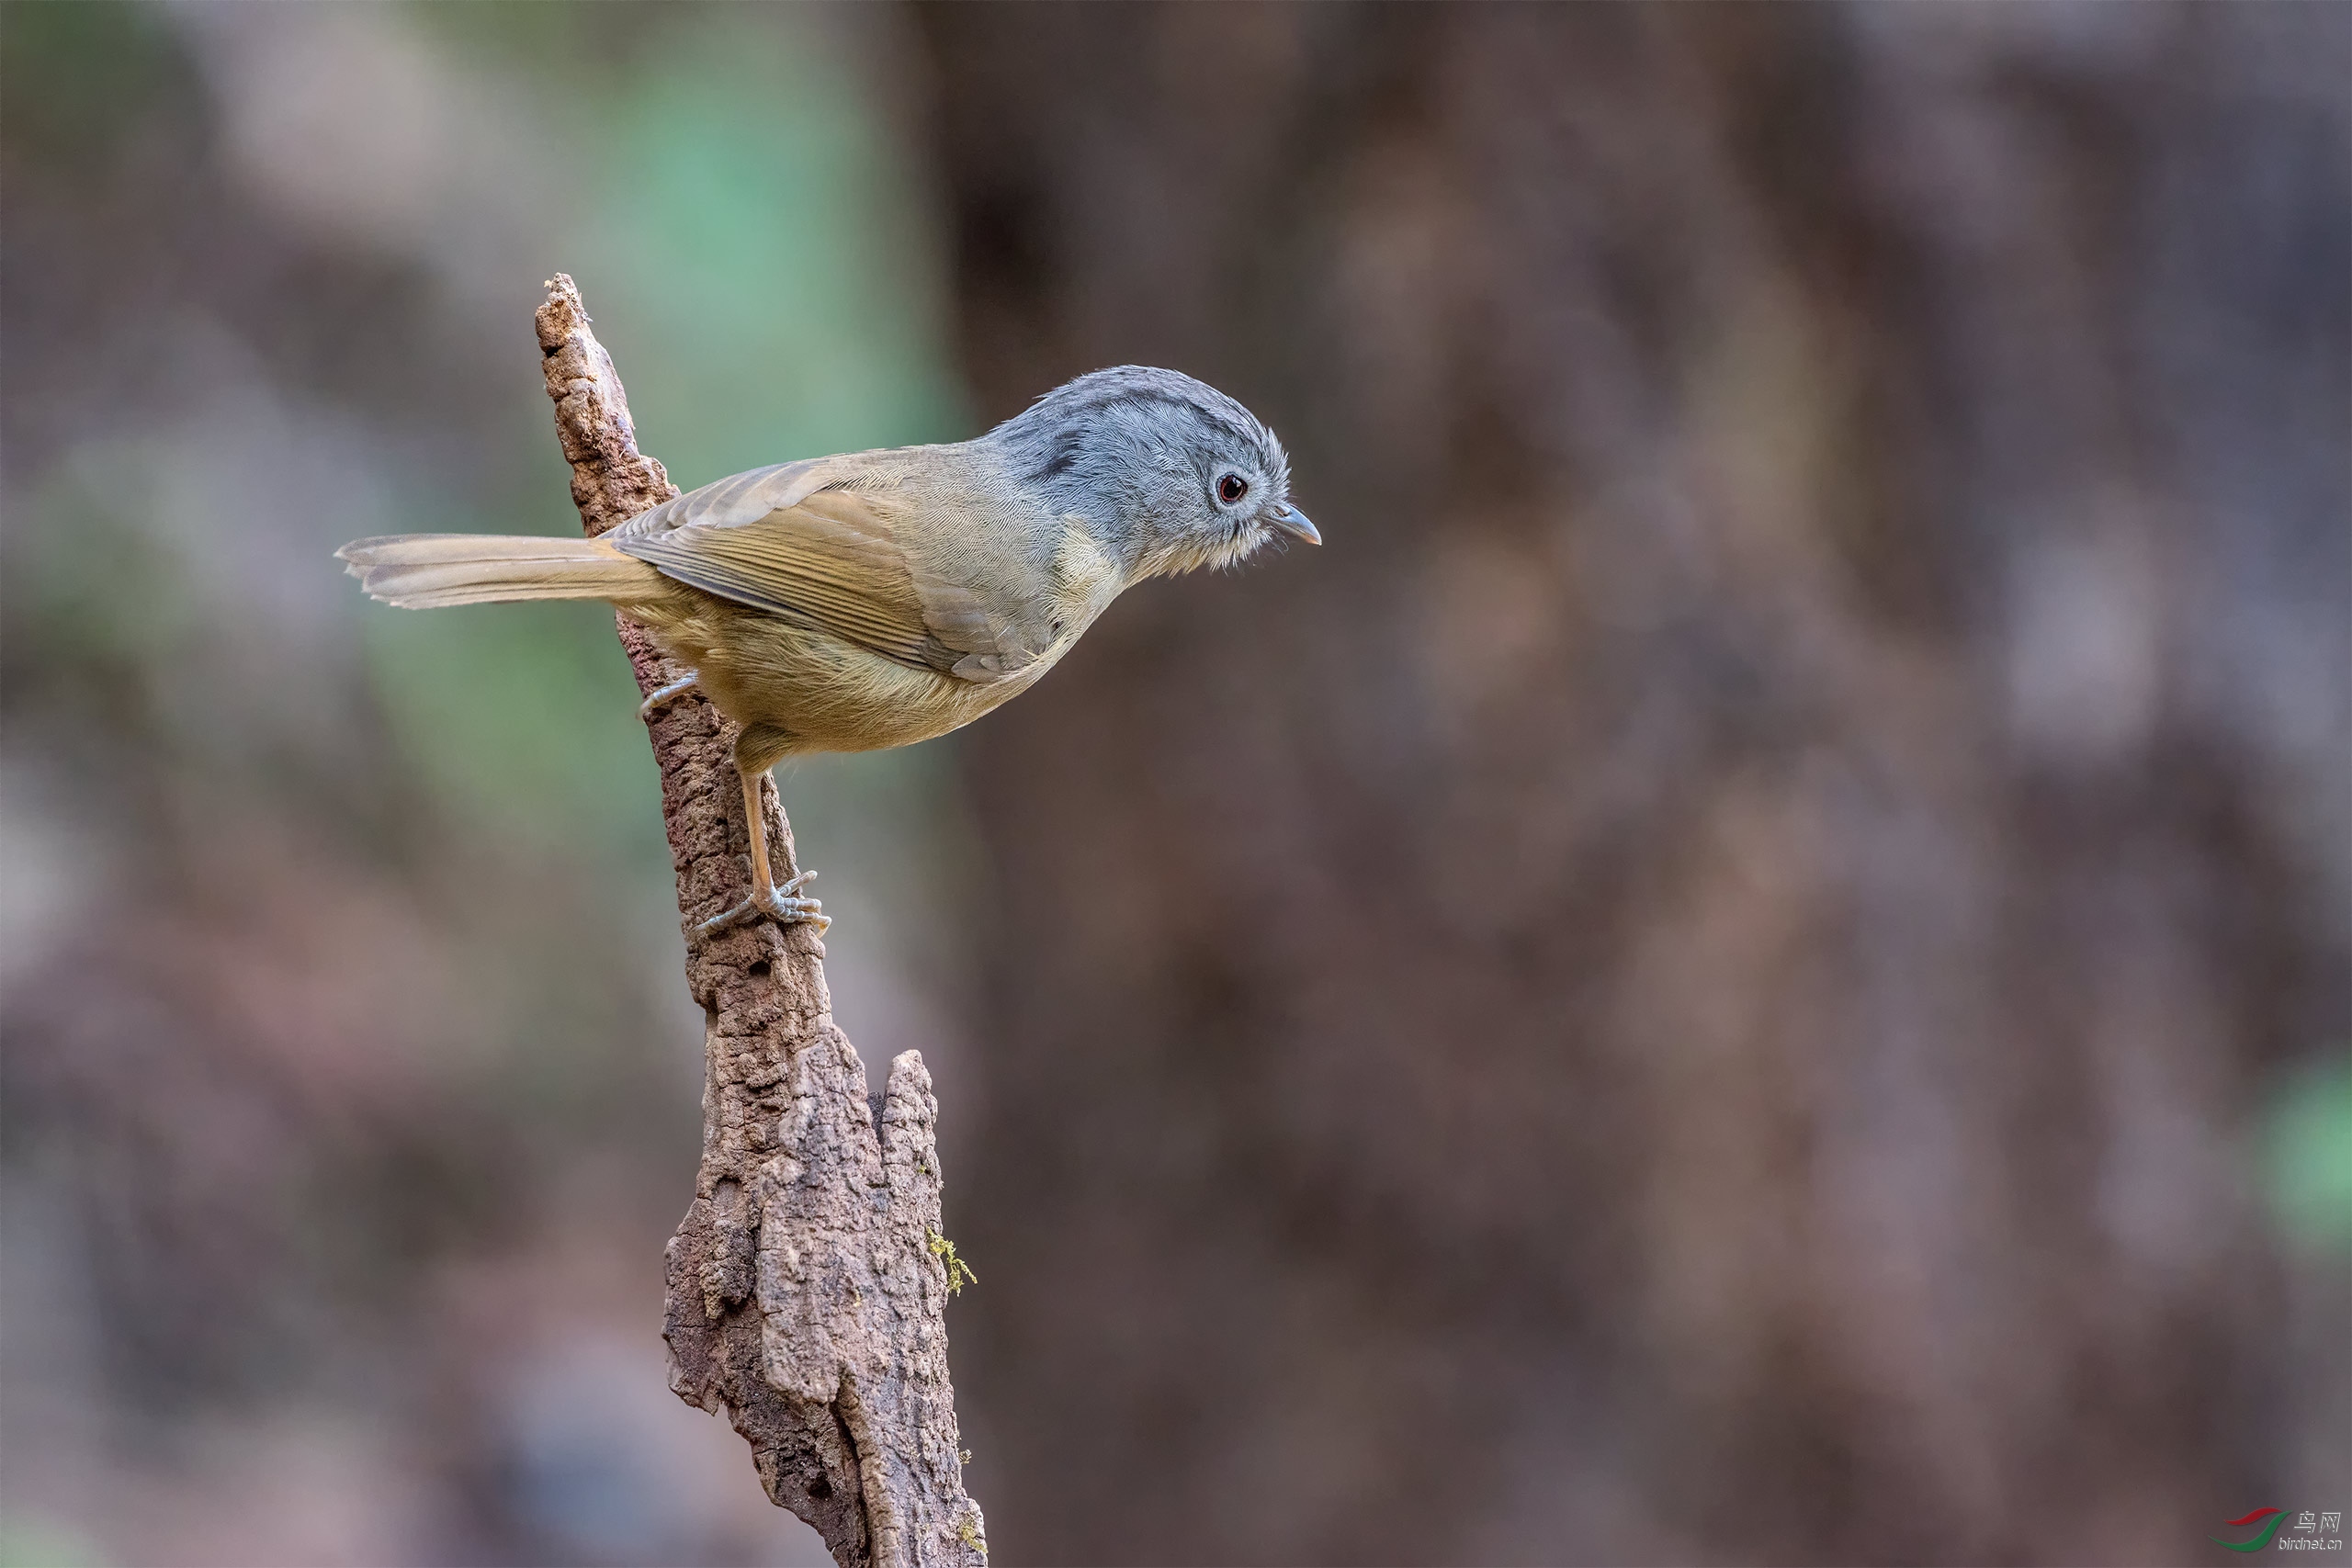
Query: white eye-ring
x=1231 y=489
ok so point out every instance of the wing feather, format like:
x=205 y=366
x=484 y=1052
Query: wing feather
x=780 y=540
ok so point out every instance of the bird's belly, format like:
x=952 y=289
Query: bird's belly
x=828 y=695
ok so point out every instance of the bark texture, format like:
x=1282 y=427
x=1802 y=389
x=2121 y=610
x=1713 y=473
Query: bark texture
x=804 y=1297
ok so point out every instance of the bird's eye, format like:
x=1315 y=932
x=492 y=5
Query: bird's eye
x=1232 y=488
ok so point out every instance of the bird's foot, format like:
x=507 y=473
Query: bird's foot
x=778 y=902
x=663 y=696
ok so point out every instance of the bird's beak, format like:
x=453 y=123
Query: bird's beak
x=1292 y=520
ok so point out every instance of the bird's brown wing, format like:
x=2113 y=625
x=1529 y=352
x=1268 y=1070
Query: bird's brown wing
x=789 y=541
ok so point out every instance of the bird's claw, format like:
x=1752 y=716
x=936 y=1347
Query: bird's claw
x=662 y=697
x=778 y=903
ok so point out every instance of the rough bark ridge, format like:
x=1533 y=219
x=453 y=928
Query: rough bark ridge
x=804 y=1298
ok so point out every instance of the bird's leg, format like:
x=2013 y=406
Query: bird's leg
x=780 y=903
x=662 y=697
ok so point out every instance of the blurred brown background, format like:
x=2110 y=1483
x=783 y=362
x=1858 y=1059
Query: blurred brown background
x=1751 y=965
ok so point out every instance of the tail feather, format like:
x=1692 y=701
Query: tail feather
x=422 y=571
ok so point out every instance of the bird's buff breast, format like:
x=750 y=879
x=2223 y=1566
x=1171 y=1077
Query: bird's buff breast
x=828 y=695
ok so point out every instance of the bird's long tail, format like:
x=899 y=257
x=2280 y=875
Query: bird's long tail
x=422 y=571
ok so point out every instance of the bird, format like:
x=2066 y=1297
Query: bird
x=877 y=599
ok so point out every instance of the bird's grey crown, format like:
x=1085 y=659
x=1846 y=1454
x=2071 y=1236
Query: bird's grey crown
x=1056 y=435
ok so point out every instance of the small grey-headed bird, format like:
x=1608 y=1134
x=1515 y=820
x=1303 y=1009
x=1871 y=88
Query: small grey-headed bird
x=877 y=599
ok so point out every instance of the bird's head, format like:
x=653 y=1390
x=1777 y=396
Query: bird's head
x=1170 y=472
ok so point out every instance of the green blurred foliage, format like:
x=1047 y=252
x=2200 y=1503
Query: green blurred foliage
x=105 y=593
x=521 y=718
x=766 y=287
x=32 y=1541
x=2308 y=1157
x=768 y=297
x=66 y=72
